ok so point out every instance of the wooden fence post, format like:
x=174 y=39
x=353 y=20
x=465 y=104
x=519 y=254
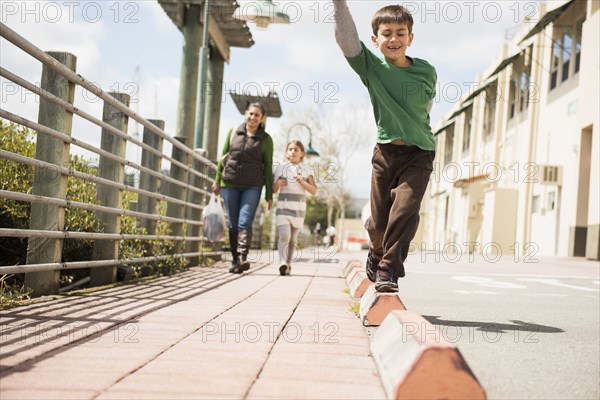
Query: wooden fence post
x=178 y=192
x=50 y=183
x=195 y=214
x=148 y=182
x=152 y=184
x=110 y=196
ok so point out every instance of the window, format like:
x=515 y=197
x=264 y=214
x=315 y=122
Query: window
x=449 y=144
x=567 y=45
x=555 y=63
x=467 y=129
x=536 y=204
x=567 y=31
x=525 y=80
x=489 y=116
x=512 y=97
x=523 y=100
x=551 y=201
x=578 y=34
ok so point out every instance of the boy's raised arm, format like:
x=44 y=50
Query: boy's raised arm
x=346 y=34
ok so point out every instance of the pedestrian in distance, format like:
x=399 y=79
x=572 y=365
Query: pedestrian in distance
x=402 y=90
x=246 y=165
x=318 y=233
x=331 y=234
x=293 y=180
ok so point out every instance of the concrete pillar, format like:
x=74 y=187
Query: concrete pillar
x=214 y=98
x=192 y=40
x=50 y=183
x=178 y=192
x=110 y=196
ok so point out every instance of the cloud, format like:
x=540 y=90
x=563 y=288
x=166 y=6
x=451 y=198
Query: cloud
x=50 y=28
x=459 y=38
x=160 y=19
x=306 y=45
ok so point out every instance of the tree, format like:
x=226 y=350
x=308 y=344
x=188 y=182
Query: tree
x=338 y=135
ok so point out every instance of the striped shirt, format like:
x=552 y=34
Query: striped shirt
x=291 y=203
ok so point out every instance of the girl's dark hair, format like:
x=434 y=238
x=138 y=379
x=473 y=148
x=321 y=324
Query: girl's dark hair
x=299 y=144
x=390 y=15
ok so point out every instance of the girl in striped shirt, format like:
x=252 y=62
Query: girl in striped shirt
x=294 y=179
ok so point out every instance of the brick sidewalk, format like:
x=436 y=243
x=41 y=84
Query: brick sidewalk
x=201 y=334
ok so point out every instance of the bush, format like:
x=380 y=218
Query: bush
x=17 y=177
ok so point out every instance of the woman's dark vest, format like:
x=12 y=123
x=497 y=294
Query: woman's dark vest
x=245 y=165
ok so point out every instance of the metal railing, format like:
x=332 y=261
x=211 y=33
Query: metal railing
x=190 y=176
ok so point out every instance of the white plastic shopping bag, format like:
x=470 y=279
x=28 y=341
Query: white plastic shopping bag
x=214 y=219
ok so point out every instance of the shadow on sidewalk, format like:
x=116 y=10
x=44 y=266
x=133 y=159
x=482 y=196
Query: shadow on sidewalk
x=33 y=332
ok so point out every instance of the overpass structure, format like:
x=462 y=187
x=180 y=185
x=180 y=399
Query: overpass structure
x=224 y=33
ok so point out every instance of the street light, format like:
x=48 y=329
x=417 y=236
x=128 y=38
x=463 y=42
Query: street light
x=201 y=97
x=265 y=13
x=262 y=13
x=309 y=150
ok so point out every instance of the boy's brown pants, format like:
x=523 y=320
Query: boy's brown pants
x=398 y=182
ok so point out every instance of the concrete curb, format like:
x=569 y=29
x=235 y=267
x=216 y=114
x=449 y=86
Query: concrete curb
x=374 y=306
x=357 y=282
x=416 y=362
x=352 y=264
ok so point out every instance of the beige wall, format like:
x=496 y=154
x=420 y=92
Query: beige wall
x=590 y=104
x=558 y=128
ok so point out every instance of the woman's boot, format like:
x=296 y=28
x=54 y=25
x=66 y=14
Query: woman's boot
x=244 y=239
x=235 y=258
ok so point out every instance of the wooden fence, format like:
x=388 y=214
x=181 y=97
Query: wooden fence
x=188 y=181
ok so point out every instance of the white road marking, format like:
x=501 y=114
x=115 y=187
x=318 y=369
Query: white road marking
x=469 y=292
x=507 y=275
x=491 y=282
x=554 y=282
x=488 y=282
x=545 y=295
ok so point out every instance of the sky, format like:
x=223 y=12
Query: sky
x=132 y=46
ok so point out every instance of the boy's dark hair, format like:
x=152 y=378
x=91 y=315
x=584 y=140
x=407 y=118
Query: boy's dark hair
x=390 y=15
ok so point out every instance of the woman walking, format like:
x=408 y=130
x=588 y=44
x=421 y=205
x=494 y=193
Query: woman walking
x=246 y=165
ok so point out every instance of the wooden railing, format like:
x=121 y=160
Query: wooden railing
x=188 y=181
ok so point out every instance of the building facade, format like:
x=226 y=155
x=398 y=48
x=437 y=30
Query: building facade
x=517 y=169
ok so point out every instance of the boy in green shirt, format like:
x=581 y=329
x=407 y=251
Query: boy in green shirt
x=402 y=90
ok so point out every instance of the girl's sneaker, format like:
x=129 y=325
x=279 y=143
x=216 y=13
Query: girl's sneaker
x=283 y=269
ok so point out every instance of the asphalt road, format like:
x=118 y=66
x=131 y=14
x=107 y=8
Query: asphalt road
x=528 y=328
